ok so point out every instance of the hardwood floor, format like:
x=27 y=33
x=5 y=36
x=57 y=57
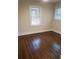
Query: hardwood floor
x=46 y=45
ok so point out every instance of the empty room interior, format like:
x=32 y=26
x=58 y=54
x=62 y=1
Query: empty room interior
x=39 y=29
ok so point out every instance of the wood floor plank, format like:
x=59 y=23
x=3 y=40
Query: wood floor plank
x=46 y=45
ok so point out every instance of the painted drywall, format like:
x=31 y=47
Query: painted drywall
x=24 y=21
x=56 y=26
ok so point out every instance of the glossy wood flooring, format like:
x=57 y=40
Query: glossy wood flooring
x=44 y=45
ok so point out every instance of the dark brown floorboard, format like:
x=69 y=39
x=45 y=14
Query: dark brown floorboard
x=44 y=45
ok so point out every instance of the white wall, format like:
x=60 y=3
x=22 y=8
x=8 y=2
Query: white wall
x=24 y=21
x=56 y=26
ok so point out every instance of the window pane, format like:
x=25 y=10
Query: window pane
x=35 y=16
x=35 y=21
x=58 y=14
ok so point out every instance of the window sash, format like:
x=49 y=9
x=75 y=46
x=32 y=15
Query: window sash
x=35 y=15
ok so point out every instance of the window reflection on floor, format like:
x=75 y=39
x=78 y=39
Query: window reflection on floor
x=56 y=47
x=57 y=50
x=36 y=43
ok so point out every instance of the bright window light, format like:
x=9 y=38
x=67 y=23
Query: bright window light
x=58 y=14
x=35 y=15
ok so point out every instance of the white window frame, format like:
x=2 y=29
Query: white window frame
x=39 y=16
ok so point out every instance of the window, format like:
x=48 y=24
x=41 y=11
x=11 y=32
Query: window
x=58 y=14
x=35 y=15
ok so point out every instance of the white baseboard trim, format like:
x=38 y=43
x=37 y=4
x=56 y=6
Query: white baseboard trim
x=25 y=33
x=56 y=31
